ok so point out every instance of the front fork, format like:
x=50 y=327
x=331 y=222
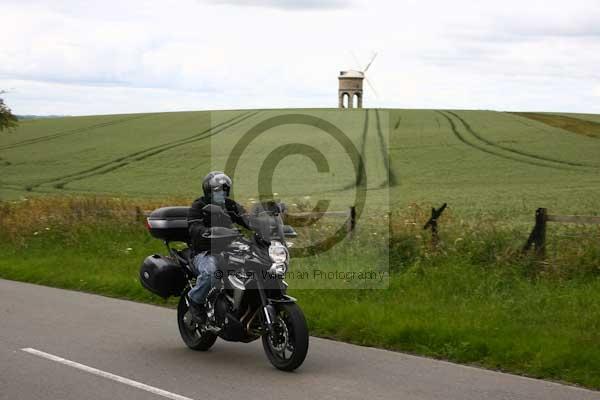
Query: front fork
x=268 y=311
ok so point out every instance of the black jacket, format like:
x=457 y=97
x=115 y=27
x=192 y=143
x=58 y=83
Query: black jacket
x=198 y=223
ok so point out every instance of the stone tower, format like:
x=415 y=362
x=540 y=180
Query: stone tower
x=351 y=88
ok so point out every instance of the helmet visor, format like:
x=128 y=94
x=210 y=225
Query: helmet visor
x=219 y=195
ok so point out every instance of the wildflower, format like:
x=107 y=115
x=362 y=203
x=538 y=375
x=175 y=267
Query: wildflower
x=128 y=249
x=35 y=233
x=47 y=228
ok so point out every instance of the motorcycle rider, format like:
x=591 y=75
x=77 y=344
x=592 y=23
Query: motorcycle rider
x=216 y=187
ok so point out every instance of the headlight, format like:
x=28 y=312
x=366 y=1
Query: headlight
x=278 y=253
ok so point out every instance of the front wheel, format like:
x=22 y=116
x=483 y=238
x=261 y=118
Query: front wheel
x=191 y=333
x=287 y=346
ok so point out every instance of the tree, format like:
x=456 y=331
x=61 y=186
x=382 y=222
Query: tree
x=7 y=119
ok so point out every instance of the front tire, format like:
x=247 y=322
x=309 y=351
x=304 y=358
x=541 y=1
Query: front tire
x=287 y=349
x=189 y=329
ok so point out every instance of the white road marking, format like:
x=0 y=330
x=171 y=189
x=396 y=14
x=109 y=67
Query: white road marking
x=107 y=375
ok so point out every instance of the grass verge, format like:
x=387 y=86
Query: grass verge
x=472 y=301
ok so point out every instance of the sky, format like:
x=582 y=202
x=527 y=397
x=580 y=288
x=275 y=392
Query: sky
x=107 y=57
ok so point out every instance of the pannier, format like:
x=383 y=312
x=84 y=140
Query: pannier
x=169 y=223
x=162 y=276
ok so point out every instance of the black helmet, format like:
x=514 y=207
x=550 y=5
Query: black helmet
x=216 y=181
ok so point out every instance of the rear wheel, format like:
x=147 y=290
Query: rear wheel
x=190 y=330
x=287 y=346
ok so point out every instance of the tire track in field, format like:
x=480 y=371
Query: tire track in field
x=149 y=152
x=516 y=151
x=129 y=193
x=390 y=179
x=18 y=188
x=361 y=163
x=69 y=132
x=11 y=186
x=508 y=157
x=122 y=159
x=126 y=157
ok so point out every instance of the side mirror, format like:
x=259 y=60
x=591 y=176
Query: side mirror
x=288 y=231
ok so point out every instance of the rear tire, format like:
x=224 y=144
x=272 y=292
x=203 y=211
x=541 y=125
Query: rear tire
x=289 y=354
x=189 y=330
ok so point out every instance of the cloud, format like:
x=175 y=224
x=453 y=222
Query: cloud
x=287 y=4
x=72 y=57
x=580 y=26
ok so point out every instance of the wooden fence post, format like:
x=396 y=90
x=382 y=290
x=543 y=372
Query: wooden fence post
x=351 y=225
x=541 y=216
x=537 y=237
x=432 y=223
x=139 y=216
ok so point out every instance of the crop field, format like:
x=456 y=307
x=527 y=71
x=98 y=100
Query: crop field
x=477 y=161
x=493 y=162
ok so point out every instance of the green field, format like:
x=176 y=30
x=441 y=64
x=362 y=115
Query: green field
x=69 y=188
x=477 y=161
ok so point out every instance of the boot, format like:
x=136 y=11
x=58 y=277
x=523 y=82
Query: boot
x=197 y=311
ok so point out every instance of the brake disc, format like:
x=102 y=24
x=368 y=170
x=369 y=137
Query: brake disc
x=284 y=335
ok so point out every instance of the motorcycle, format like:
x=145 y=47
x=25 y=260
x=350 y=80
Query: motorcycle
x=249 y=300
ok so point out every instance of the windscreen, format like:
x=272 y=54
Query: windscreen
x=266 y=222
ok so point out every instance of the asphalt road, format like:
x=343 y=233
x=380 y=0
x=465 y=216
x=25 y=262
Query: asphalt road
x=140 y=343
